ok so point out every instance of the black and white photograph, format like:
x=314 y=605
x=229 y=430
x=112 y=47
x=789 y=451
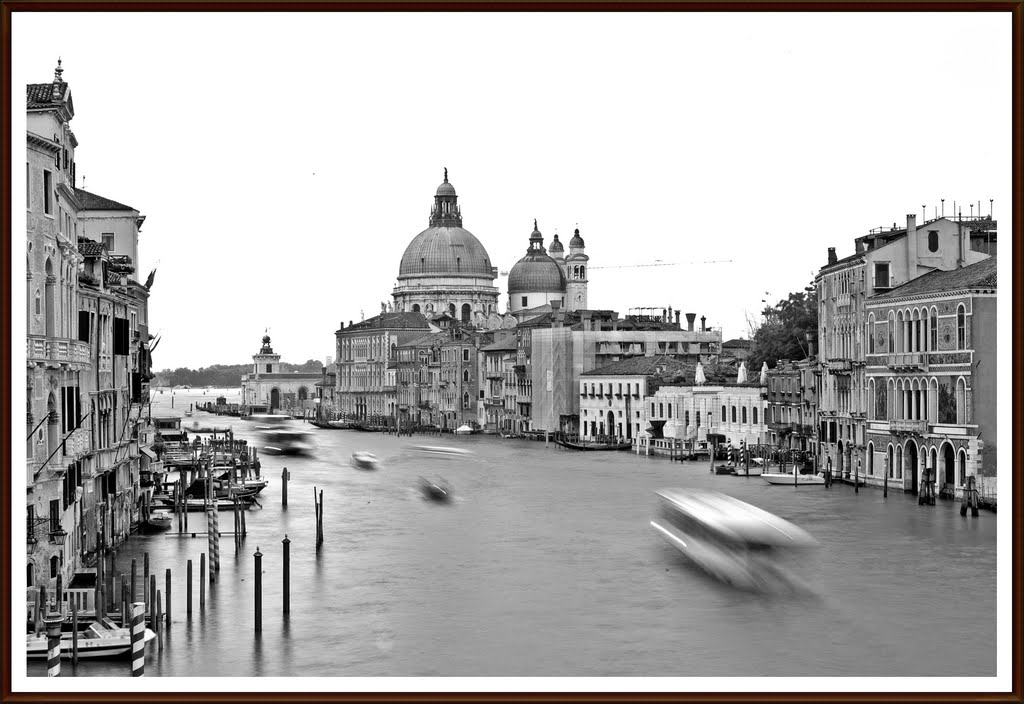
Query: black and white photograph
x=512 y=351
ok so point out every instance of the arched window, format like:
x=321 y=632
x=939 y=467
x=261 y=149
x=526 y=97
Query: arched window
x=465 y=399
x=888 y=461
x=303 y=394
x=961 y=327
x=871 y=458
x=465 y=375
x=723 y=414
x=31 y=574
x=466 y=312
x=54 y=567
x=933 y=240
x=698 y=419
x=871 y=334
x=743 y=415
x=892 y=332
x=961 y=462
x=415 y=307
x=961 y=401
x=583 y=272
x=670 y=410
x=686 y=418
x=734 y=414
x=899 y=462
x=933 y=341
x=661 y=410
x=652 y=410
x=753 y=416
x=901 y=330
x=451 y=310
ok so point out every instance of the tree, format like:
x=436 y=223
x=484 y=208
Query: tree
x=782 y=335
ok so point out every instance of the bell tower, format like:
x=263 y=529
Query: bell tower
x=266 y=362
x=576 y=274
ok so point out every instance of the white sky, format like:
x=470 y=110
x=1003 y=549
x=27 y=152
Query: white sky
x=284 y=161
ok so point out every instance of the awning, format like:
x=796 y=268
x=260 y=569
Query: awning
x=148 y=453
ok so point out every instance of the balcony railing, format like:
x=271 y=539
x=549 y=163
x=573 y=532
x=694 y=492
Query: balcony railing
x=904 y=360
x=840 y=365
x=57 y=349
x=908 y=426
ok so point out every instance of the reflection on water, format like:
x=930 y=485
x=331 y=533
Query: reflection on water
x=546 y=565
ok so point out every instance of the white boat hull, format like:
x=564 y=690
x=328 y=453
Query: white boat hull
x=801 y=479
x=724 y=565
x=118 y=643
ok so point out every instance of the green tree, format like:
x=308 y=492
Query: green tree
x=782 y=335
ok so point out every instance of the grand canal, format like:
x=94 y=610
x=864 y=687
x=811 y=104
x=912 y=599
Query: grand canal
x=545 y=565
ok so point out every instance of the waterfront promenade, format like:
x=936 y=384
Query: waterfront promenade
x=545 y=565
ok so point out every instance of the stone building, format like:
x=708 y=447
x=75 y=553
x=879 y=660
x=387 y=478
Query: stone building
x=268 y=389
x=498 y=403
x=790 y=421
x=365 y=352
x=87 y=354
x=884 y=259
x=931 y=380
x=723 y=406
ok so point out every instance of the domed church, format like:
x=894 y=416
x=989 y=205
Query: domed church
x=539 y=278
x=445 y=269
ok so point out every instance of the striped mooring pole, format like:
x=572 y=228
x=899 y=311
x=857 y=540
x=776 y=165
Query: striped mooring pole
x=53 y=621
x=138 y=639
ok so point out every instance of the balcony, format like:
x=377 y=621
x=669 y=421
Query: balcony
x=907 y=361
x=903 y=425
x=840 y=365
x=57 y=350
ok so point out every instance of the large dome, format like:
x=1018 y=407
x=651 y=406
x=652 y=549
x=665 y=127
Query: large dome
x=445 y=251
x=536 y=273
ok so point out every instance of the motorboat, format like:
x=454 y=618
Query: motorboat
x=280 y=437
x=101 y=639
x=792 y=478
x=463 y=430
x=725 y=469
x=365 y=460
x=441 y=451
x=729 y=539
x=437 y=491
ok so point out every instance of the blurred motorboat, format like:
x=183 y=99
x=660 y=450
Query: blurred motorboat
x=280 y=436
x=463 y=430
x=438 y=491
x=365 y=460
x=729 y=539
x=441 y=451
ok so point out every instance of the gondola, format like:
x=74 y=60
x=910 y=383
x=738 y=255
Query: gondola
x=592 y=446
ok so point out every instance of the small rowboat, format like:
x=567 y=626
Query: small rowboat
x=158 y=520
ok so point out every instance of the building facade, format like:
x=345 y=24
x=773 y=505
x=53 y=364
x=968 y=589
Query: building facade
x=88 y=366
x=365 y=352
x=268 y=389
x=883 y=260
x=931 y=381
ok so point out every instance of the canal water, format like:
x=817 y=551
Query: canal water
x=545 y=565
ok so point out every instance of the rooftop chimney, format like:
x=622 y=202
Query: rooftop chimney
x=832 y=259
x=690 y=317
x=911 y=246
x=677 y=319
x=703 y=326
x=811 y=338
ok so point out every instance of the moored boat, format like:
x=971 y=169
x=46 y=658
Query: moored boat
x=101 y=639
x=157 y=521
x=592 y=446
x=463 y=430
x=792 y=478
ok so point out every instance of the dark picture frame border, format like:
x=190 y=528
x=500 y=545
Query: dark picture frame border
x=8 y=8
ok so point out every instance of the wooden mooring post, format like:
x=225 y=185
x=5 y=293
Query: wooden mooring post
x=74 y=633
x=284 y=486
x=970 y=497
x=202 y=581
x=258 y=559
x=287 y=575
x=188 y=589
x=167 y=591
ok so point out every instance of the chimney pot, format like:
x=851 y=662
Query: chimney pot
x=703 y=325
x=832 y=258
x=690 y=317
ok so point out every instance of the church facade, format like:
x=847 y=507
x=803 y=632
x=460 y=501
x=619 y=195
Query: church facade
x=267 y=389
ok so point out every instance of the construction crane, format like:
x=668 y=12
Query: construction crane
x=656 y=262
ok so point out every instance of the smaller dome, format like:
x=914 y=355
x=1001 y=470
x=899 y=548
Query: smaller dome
x=576 y=240
x=536 y=273
x=556 y=246
x=266 y=339
x=446 y=189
